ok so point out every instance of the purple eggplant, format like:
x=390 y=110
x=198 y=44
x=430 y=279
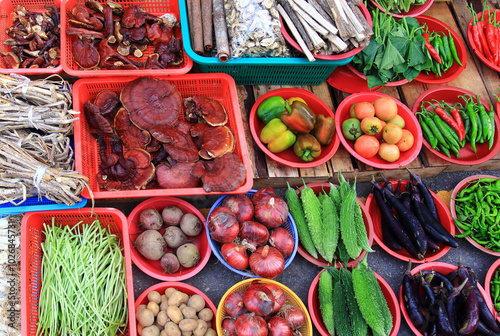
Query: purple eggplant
x=426 y=194
x=470 y=316
x=452 y=304
x=483 y=330
x=443 y=320
x=484 y=312
x=410 y=298
x=439 y=278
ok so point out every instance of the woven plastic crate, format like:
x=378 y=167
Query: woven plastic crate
x=6 y=16
x=217 y=86
x=261 y=71
x=31 y=257
x=155 y=7
x=36 y=204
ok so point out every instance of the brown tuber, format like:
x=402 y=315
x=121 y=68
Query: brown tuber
x=169 y=263
x=191 y=225
x=172 y=215
x=174 y=237
x=151 y=244
x=188 y=255
x=150 y=219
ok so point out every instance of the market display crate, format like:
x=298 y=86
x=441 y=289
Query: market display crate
x=31 y=256
x=155 y=7
x=265 y=70
x=37 y=204
x=6 y=18
x=216 y=86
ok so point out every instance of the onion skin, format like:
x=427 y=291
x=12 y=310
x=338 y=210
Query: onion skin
x=241 y=206
x=279 y=327
x=267 y=262
x=251 y=325
x=257 y=197
x=258 y=299
x=253 y=234
x=294 y=316
x=235 y=255
x=229 y=326
x=278 y=294
x=272 y=211
x=222 y=225
x=281 y=239
x=234 y=305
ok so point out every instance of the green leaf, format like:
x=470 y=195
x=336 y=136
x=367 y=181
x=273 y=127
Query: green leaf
x=369 y=53
x=400 y=68
x=391 y=57
x=412 y=23
x=375 y=80
x=416 y=55
x=411 y=74
x=401 y=44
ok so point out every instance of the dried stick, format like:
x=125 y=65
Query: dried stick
x=326 y=13
x=316 y=39
x=295 y=21
x=221 y=40
x=296 y=34
x=311 y=11
x=206 y=15
x=197 y=31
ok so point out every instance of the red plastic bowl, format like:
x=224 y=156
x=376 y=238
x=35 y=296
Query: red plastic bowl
x=363 y=77
x=414 y=10
x=343 y=79
x=467 y=156
x=474 y=47
x=183 y=287
x=152 y=267
x=456 y=69
x=288 y=157
x=487 y=284
x=461 y=185
x=314 y=310
x=444 y=216
x=444 y=269
x=290 y=39
x=318 y=187
x=376 y=161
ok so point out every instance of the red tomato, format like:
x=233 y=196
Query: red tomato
x=367 y=146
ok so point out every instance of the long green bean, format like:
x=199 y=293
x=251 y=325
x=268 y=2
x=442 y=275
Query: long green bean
x=83 y=281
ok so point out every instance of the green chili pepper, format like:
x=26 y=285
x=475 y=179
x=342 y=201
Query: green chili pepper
x=428 y=135
x=441 y=124
x=445 y=150
x=446 y=51
x=479 y=125
x=485 y=120
x=491 y=115
x=474 y=126
x=435 y=130
x=453 y=48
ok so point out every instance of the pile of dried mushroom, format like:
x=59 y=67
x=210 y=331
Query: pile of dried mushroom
x=159 y=140
x=111 y=36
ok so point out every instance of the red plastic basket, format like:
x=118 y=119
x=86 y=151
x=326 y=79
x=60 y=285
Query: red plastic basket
x=155 y=7
x=31 y=257
x=216 y=86
x=6 y=13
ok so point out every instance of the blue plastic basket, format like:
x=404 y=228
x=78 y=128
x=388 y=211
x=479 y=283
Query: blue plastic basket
x=289 y=225
x=35 y=204
x=261 y=71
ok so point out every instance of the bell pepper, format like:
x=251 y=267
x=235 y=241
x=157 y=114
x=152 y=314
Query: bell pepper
x=277 y=136
x=290 y=101
x=324 y=129
x=298 y=117
x=307 y=147
x=271 y=108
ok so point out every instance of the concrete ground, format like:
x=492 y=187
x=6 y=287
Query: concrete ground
x=215 y=279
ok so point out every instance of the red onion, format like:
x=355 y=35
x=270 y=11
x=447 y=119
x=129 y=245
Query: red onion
x=251 y=325
x=253 y=235
x=282 y=240
x=257 y=197
x=294 y=316
x=267 y=262
x=234 y=304
x=278 y=327
x=229 y=326
x=279 y=296
x=222 y=225
x=258 y=299
x=235 y=255
x=240 y=205
x=271 y=210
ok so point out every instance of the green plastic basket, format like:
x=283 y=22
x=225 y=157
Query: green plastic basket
x=261 y=71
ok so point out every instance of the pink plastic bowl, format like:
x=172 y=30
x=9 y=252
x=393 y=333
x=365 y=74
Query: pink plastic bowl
x=411 y=122
x=414 y=10
x=487 y=284
x=474 y=47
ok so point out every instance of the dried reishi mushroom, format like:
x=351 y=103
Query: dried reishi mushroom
x=151 y=102
x=159 y=33
x=153 y=146
x=179 y=145
x=85 y=54
x=133 y=16
x=107 y=101
x=215 y=141
x=82 y=18
x=106 y=52
x=10 y=60
x=209 y=109
x=171 y=53
x=95 y=120
x=130 y=135
x=176 y=176
x=223 y=174
x=152 y=62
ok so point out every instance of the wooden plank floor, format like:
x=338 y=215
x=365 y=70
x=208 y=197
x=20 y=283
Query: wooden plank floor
x=476 y=78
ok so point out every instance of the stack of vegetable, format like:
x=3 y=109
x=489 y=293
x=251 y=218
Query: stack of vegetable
x=442 y=49
x=286 y=118
x=329 y=225
x=417 y=227
x=476 y=207
x=351 y=303
x=448 y=128
x=486 y=35
x=451 y=304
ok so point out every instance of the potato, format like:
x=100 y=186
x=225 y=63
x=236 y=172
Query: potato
x=140 y=307
x=210 y=332
x=186 y=333
x=172 y=329
x=176 y=299
x=206 y=314
x=151 y=331
x=201 y=328
x=151 y=245
x=197 y=302
x=150 y=219
x=182 y=306
x=174 y=237
x=185 y=298
x=154 y=296
x=139 y=329
x=145 y=317
x=163 y=332
x=191 y=225
x=189 y=312
x=153 y=306
x=174 y=313
x=169 y=291
x=188 y=324
x=171 y=215
x=162 y=318
x=163 y=298
x=160 y=327
x=164 y=305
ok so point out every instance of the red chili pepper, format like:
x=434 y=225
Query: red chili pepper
x=475 y=30
x=460 y=124
x=482 y=38
x=491 y=39
x=498 y=45
x=432 y=51
x=450 y=121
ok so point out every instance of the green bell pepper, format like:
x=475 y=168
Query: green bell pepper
x=307 y=147
x=271 y=108
x=277 y=136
